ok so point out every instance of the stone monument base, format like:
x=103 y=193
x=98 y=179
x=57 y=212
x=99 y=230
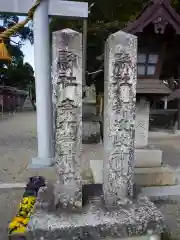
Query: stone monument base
x=148 y=157
x=138 y=217
x=149 y=176
x=155 y=176
x=144 y=157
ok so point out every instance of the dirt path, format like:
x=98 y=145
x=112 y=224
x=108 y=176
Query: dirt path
x=17 y=146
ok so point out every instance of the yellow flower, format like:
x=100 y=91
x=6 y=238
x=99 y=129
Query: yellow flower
x=26 y=206
x=18 y=219
x=22 y=213
x=25 y=221
x=13 y=225
x=19 y=223
x=28 y=201
x=20 y=229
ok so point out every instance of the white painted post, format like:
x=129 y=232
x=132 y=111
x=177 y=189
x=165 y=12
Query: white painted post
x=43 y=86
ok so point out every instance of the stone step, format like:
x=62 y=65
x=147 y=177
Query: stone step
x=145 y=158
x=148 y=158
x=145 y=177
x=157 y=176
x=90 y=132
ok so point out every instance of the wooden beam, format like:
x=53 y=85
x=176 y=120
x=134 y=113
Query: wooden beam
x=56 y=8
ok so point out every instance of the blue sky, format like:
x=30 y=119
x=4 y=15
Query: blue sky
x=28 y=51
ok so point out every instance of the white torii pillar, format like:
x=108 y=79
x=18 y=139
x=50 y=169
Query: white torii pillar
x=42 y=64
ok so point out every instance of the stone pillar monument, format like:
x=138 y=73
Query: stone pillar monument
x=110 y=210
x=67 y=82
x=119 y=115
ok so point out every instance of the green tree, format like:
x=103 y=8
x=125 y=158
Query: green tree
x=105 y=17
x=23 y=34
x=16 y=73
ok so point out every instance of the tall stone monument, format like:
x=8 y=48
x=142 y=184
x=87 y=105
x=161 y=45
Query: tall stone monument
x=119 y=115
x=112 y=209
x=67 y=81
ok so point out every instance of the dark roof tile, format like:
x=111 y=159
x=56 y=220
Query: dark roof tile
x=152 y=86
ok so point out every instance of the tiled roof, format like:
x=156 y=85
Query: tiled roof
x=152 y=86
x=12 y=90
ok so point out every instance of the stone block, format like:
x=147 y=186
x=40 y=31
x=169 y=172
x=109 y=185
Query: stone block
x=90 y=132
x=88 y=108
x=148 y=158
x=158 y=176
x=143 y=157
x=94 y=220
x=97 y=170
x=162 y=193
x=147 y=237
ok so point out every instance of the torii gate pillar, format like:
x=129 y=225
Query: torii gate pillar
x=43 y=87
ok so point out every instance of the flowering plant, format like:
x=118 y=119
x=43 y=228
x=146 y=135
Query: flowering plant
x=19 y=223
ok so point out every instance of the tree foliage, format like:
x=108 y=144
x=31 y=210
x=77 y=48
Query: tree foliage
x=25 y=33
x=17 y=73
x=105 y=17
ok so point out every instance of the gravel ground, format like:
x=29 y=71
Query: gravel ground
x=171 y=214
x=18 y=145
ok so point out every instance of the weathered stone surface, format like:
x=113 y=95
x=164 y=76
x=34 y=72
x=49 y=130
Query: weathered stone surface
x=90 y=124
x=119 y=115
x=90 y=132
x=109 y=210
x=157 y=176
x=148 y=158
x=145 y=157
x=93 y=221
x=142 y=123
x=67 y=89
x=90 y=94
